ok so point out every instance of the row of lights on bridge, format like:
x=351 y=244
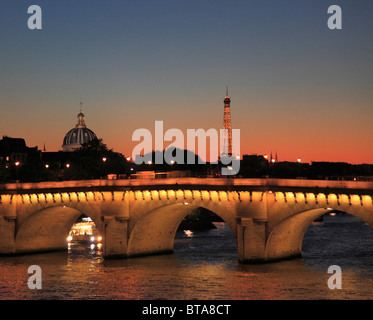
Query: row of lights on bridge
x=68 y=164
x=149 y=162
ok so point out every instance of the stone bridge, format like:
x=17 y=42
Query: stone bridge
x=268 y=217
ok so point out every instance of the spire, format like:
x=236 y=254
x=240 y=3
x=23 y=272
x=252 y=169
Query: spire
x=81 y=119
x=227 y=92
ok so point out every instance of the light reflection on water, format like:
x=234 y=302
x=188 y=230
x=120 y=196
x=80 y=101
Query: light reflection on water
x=203 y=266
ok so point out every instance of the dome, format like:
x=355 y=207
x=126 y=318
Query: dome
x=78 y=135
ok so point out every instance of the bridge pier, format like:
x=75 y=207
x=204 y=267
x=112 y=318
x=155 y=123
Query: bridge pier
x=7 y=234
x=115 y=235
x=251 y=240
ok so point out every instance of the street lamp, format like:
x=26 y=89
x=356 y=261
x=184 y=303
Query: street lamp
x=104 y=166
x=47 y=166
x=17 y=164
x=67 y=165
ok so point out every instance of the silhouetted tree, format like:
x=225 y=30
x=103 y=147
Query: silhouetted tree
x=95 y=160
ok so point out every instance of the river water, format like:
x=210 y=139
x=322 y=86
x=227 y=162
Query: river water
x=203 y=266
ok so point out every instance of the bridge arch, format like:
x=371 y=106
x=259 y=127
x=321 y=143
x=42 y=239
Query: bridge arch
x=47 y=229
x=155 y=232
x=285 y=240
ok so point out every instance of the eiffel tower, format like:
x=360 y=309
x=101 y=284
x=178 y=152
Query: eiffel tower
x=227 y=140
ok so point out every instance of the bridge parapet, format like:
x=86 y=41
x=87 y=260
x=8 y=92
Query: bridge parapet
x=223 y=184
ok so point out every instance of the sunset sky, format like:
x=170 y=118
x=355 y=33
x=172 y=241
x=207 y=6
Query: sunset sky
x=297 y=87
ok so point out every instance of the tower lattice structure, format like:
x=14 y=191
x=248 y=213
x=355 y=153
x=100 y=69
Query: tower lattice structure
x=227 y=140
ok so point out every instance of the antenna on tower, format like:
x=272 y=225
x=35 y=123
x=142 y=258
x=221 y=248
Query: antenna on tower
x=81 y=104
x=227 y=91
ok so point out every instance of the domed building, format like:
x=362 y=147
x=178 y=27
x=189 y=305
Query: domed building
x=78 y=135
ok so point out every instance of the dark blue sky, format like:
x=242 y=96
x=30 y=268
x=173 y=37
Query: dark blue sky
x=297 y=87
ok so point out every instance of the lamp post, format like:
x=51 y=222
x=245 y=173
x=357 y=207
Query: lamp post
x=104 y=161
x=299 y=160
x=17 y=163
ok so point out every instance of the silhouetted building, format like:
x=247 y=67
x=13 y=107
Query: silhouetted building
x=17 y=161
x=14 y=150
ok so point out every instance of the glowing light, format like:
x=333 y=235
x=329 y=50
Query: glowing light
x=172 y=161
x=92 y=246
x=67 y=165
x=47 y=166
x=99 y=245
x=92 y=239
x=17 y=163
x=99 y=238
x=186 y=203
x=104 y=159
x=299 y=160
x=189 y=233
x=69 y=238
x=128 y=158
x=149 y=162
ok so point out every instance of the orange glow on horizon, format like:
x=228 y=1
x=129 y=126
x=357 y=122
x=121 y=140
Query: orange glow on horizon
x=329 y=144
